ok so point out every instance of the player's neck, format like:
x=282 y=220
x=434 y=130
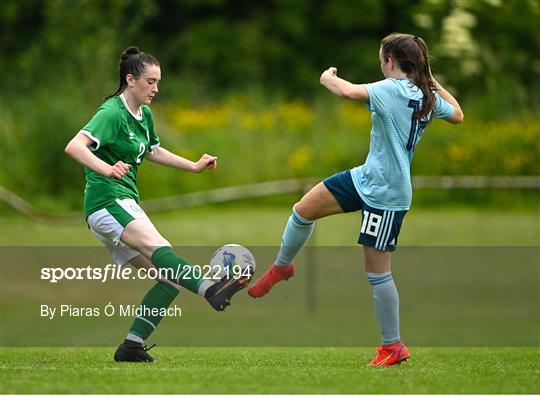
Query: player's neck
x=134 y=106
x=397 y=74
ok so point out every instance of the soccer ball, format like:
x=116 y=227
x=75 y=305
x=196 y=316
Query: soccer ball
x=232 y=261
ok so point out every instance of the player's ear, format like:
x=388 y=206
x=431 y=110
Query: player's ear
x=130 y=80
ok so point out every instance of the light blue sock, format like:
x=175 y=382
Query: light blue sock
x=386 y=301
x=297 y=232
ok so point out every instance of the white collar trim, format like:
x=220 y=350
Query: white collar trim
x=138 y=118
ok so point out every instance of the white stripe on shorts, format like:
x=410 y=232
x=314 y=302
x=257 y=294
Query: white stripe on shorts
x=388 y=230
x=384 y=232
x=381 y=229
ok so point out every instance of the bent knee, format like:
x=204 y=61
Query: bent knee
x=304 y=210
x=153 y=241
x=158 y=242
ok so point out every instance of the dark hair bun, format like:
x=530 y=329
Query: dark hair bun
x=130 y=51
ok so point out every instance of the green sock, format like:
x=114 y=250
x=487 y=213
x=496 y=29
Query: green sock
x=165 y=257
x=159 y=296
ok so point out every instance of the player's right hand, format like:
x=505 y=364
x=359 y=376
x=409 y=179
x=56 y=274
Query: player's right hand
x=327 y=74
x=118 y=170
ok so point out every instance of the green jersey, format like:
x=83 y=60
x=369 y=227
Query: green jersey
x=118 y=135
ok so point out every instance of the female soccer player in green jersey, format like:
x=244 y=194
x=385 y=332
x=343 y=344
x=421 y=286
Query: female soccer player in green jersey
x=402 y=106
x=111 y=147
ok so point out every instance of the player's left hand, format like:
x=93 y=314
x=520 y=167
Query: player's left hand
x=206 y=162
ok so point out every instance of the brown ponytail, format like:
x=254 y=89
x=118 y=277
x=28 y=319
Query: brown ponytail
x=132 y=61
x=411 y=54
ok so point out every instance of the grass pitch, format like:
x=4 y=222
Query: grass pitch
x=503 y=315
x=270 y=370
x=255 y=226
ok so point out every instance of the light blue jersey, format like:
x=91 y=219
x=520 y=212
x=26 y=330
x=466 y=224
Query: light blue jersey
x=384 y=181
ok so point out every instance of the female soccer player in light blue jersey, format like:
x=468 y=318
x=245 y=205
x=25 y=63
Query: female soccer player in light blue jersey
x=402 y=106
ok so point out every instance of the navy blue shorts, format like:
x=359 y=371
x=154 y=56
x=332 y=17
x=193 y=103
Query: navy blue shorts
x=380 y=228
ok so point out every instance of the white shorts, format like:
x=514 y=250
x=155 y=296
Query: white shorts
x=106 y=225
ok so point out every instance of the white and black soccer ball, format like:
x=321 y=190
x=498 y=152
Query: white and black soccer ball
x=232 y=260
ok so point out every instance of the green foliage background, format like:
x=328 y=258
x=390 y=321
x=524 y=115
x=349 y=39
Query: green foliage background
x=240 y=79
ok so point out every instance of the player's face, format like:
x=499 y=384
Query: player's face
x=146 y=86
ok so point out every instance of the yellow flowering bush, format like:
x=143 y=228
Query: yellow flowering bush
x=259 y=142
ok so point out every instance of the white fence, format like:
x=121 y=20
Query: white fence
x=279 y=187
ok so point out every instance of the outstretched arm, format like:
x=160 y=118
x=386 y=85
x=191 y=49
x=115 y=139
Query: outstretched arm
x=79 y=149
x=164 y=157
x=457 y=117
x=341 y=87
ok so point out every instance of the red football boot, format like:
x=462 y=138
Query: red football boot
x=273 y=275
x=388 y=355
